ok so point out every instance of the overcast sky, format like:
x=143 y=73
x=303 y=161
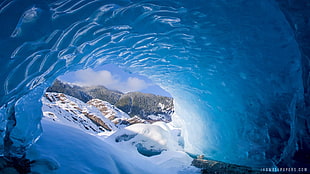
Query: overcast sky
x=114 y=78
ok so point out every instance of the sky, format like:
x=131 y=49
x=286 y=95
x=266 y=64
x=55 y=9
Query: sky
x=112 y=77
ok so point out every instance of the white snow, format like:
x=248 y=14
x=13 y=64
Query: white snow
x=156 y=136
x=67 y=110
x=66 y=147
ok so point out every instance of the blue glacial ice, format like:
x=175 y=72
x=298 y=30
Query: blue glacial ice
x=234 y=68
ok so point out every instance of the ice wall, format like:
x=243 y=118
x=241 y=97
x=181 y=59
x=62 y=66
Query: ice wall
x=233 y=67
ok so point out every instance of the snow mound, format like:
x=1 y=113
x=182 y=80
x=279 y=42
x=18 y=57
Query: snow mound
x=64 y=149
x=149 y=139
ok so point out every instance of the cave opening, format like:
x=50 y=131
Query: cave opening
x=133 y=94
x=124 y=109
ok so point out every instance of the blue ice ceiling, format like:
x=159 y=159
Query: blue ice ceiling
x=235 y=68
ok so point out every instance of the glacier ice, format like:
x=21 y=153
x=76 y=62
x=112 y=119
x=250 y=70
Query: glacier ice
x=233 y=68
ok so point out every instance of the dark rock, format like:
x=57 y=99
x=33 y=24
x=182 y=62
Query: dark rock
x=14 y=165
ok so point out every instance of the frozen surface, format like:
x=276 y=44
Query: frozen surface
x=65 y=149
x=149 y=139
x=233 y=68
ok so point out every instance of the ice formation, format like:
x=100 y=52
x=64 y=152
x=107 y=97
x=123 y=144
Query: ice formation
x=234 y=69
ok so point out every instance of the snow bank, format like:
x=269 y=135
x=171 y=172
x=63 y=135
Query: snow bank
x=65 y=149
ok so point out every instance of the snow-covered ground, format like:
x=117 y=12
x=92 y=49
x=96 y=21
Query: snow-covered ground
x=70 y=111
x=67 y=147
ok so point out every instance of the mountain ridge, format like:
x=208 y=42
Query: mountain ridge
x=133 y=103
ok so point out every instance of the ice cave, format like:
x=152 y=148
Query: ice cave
x=238 y=70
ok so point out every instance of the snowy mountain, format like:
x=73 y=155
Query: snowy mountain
x=85 y=93
x=96 y=116
x=145 y=105
x=117 y=116
x=133 y=103
x=73 y=112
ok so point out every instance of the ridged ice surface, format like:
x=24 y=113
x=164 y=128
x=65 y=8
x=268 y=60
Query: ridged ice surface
x=233 y=67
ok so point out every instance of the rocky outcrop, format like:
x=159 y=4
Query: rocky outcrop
x=95 y=116
x=146 y=106
x=67 y=110
x=117 y=116
x=108 y=110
